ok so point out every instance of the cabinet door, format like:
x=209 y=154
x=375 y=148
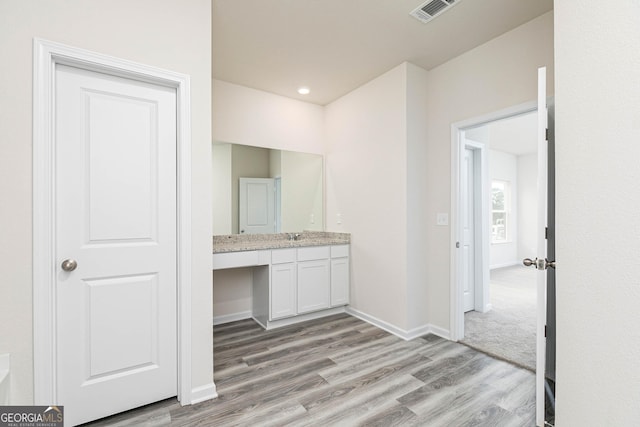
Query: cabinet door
x=313 y=285
x=283 y=291
x=339 y=281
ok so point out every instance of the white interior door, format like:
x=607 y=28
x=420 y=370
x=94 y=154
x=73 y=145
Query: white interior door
x=541 y=250
x=257 y=206
x=115 y=225
x=468 y=230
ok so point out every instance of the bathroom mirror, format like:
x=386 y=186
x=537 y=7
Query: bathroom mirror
x=297 y=179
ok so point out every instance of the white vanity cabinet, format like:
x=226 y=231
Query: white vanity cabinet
x=294 y=284
x=283 y=286
x=314 y=286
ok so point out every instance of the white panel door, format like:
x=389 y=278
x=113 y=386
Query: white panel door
x=257 y=208
x=468 y=230
x=313 y=285
x=116 y=219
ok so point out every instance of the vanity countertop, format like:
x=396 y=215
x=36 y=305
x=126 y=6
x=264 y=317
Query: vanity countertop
x=254 y=242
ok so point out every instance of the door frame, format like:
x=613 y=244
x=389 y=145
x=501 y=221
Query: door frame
x=456 y=309
x=480 y=181
x=46 y=55
x=277 y=185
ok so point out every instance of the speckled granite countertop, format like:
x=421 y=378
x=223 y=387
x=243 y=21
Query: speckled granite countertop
x=254 y=242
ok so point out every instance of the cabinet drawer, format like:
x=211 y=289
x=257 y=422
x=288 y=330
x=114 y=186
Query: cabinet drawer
x=339 y=251
x=313 y=252
x=239 y=259
x=280 y=256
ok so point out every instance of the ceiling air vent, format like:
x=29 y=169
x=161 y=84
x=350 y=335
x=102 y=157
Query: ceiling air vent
x=432 y=8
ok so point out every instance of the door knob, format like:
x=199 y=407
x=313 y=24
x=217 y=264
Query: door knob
x=538 y=263
x=69 y=264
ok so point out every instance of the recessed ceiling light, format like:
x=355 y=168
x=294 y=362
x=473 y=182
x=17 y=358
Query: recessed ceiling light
x=304 y=91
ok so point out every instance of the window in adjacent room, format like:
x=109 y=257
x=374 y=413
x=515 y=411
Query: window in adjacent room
x=500 y=207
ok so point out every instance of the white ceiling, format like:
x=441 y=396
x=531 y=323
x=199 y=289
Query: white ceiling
x=334 y=46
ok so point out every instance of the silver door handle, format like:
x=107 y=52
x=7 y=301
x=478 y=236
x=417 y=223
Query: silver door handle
x=538 y=263
x=69 y=264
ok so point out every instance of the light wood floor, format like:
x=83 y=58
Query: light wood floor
x=341 y=371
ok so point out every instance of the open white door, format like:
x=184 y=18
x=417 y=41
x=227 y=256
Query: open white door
x=541 y=251
x=544 y=268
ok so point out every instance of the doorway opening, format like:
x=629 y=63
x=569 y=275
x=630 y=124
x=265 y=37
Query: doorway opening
x=497 y=227
x=46 y=265
x=498 y=220
x=494 y=199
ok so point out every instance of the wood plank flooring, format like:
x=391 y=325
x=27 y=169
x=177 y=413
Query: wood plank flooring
x=341 y=371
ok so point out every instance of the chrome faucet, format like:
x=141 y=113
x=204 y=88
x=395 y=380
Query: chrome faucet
x=293 y=236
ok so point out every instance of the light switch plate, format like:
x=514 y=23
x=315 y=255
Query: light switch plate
x=442 y=219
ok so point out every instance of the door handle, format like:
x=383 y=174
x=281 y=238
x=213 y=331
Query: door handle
x=69 y=264
x=539 y=264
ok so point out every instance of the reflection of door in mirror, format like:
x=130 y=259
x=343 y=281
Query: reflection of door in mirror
x=298 y=181
x=257 y=206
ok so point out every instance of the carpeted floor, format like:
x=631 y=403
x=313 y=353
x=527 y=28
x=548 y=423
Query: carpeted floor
x=508 y=330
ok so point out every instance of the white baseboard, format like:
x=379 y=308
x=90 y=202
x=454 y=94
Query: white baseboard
x=399 y=332
x=417 y=332
x=204 y=392
x=441 y=332
x=272 y=324
x=228 y=318
x=233 y=317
